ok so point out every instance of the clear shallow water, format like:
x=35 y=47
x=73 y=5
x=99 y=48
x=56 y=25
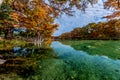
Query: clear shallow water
x=86 y=66
x=62 y=62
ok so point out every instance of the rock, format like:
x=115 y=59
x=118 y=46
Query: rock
x=0 y=38
x=2 y=61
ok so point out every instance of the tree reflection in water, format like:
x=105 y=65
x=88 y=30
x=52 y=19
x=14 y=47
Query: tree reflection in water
x=22 y=62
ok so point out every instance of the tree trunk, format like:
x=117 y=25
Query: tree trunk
x=118 y=3
x=9 y=33
x=39 y=40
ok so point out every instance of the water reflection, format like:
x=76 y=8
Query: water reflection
x=22 y=62
x=59 y=63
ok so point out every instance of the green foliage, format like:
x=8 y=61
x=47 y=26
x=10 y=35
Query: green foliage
x=8 y=44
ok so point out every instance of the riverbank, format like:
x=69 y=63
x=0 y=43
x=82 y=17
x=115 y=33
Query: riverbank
x=110 y=48
x=8 y=44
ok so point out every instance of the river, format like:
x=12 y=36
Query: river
x=61 y=63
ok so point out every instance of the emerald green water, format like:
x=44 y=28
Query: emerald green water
x=61 y=62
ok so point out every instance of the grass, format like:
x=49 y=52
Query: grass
x=108 y=48
x=8 y=44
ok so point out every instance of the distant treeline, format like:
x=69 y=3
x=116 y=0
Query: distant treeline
x=101 y=30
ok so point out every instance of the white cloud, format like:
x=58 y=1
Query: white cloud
x=93 y=14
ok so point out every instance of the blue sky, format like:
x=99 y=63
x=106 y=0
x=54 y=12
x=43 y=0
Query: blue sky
x=93 y=14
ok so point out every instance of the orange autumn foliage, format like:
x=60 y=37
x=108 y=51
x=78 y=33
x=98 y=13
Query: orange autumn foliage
x=113 y=4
